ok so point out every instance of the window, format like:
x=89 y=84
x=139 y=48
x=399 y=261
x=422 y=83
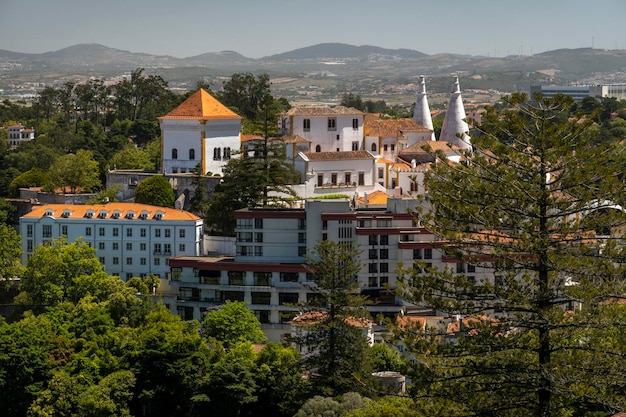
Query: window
x=258 y=223
x=301 y=224
x=417 y=254
x=384 y=148
x=348 y=177
x=142 y=232
x=258 y=237
x=301 y=237
x=87 y=231
x=384 y=281
x=355 y=123
x=227 y=153
x=288 y=277
x=261 y=298
x=372 y=282
x=301 y=250
x=217 y=154
x=332 y=123
x=373 y=254
x=47 y=230
x=101 y=245
x=129 y=260
x=258 y=251
x=318 y=148
x=192 y=154
x=142 y=246
x=235 y=278
x=373 y=268
x=384 y=254
x=157 y=232
x=142 y=261
x=244 y=224
x=29 y=230
x=428 y=253
x=320 y=180
x=460 y=268
x=129 y=246
x=374 y=147
x=116 y=260
x=384 y=267
x=168 y=233
x=116 y=231
x=414 y=186
x=101 y=231
x=181 y=247
x=174 y=153
x=101 y=259
x=471 y=268
x=384 y=239
x=287 y=298
x=333 y=178
x=245 y=237
x=373 y=240
x=381 y=173
x=383 y=222
x=355 y=145
x=167 y=249
x=116 y=246
x=157 y=261
x=262 y=278
x=306 y=125
x=361 y=178
x=157 y=248
x=29 y=245
x=129 y=232
x=181 y=233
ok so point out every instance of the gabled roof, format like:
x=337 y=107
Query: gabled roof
x=295 y=139
x=392 y=127
x=377 y=198
x=201 y=106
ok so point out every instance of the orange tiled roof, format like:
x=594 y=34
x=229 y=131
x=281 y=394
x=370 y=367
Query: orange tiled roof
x=295 y=139
x=202 y=106
x=391 y=127
x=79 y=211
x=376 y=198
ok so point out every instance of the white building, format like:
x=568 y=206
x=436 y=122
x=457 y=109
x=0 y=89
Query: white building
x=330 y=129
x=18 y=134
x=130 y=239
x=199 y=132
x=268 y=271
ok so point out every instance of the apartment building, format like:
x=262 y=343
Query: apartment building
x=130 y=239
x=269 y=269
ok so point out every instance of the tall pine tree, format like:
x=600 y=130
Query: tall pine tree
x=534 y=205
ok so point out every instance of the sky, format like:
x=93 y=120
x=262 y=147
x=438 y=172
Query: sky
x=257 y=28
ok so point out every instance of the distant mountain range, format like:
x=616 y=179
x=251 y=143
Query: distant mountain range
x=347 y=64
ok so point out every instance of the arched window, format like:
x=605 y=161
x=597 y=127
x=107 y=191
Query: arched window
x=373 y=147
x=174 y=153
x=192 y=154
x=217 y=154
x=318 y=148
x=226 y=153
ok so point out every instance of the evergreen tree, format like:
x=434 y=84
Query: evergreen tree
x=534 y=206
x=333 y=332
x=155 y=190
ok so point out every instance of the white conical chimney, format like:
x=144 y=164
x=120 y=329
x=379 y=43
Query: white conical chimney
x=454 y=123
x=421 y=114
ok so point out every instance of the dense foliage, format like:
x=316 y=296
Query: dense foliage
x=535 y=206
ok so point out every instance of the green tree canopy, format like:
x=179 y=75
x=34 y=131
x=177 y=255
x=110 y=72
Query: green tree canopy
x=534 y=207
x=78 y=172
x=156 y=191
x=131 y=157
x=233 y=322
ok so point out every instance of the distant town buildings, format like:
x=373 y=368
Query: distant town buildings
x=579 y=92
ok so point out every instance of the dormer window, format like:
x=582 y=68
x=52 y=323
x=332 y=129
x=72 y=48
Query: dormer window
x=143 y=215
x=89 y=214
x=102 y=214
x=158 y=215
x=116 y=214
x=49 y=212
x=130 y=214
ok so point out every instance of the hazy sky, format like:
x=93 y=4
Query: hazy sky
x=256 y=28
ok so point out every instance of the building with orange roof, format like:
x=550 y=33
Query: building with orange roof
x=202 y=132
x=130 y=239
